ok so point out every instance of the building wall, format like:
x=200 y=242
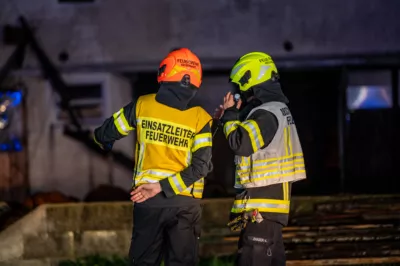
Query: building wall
x=13 y=176
x=144 y=31
x=57 y=162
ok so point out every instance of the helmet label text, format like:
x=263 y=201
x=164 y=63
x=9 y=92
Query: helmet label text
x=188 y=63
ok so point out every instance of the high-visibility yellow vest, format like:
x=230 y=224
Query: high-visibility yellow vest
x=280 y=162
x=166 y=139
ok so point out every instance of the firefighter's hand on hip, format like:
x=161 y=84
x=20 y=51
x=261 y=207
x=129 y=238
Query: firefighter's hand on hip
x=145 y=192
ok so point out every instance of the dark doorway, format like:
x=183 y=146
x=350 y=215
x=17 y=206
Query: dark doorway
x=372 y=130
x=313 y=96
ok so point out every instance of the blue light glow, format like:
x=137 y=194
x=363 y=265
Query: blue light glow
x=14 y=145
x=10 y=143
x=15 y=97
x=17 y=145
x=4 y=147
x=369 y=97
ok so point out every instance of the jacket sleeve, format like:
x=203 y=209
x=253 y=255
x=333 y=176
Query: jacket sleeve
x=200 y=166
x=251 y=135
x=116 y=127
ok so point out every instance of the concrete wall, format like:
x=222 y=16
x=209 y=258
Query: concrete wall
x=144 y=31
x=77 y=230
x=56 y=231
x=57 y=162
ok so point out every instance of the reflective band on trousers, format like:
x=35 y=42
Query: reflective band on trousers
x=121 y=123
x=202 y=140
x=263 y=205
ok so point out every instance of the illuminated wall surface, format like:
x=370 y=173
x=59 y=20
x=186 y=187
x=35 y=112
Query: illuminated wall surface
x=10 y=121
x=144 y=31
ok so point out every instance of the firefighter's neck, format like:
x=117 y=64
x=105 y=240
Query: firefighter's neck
x=269 y=92
x=174 y=95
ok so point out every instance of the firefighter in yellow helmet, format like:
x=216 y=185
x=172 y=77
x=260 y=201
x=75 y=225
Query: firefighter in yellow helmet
x=262 y=133
x=173 y=155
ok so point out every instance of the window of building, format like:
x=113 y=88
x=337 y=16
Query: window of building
x=86 y=102
x=369 y=89
x=369 y=97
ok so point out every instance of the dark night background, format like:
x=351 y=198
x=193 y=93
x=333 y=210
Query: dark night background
x=345 y=150
x=339 y=63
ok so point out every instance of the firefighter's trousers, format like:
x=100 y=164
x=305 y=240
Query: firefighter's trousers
x=261 y=244
x=169 y=234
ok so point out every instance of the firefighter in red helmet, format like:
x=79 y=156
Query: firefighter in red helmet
x=173 y=147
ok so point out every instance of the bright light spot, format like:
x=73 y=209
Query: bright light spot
x=362 y=95
x=3 y=123
x=368 y=97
